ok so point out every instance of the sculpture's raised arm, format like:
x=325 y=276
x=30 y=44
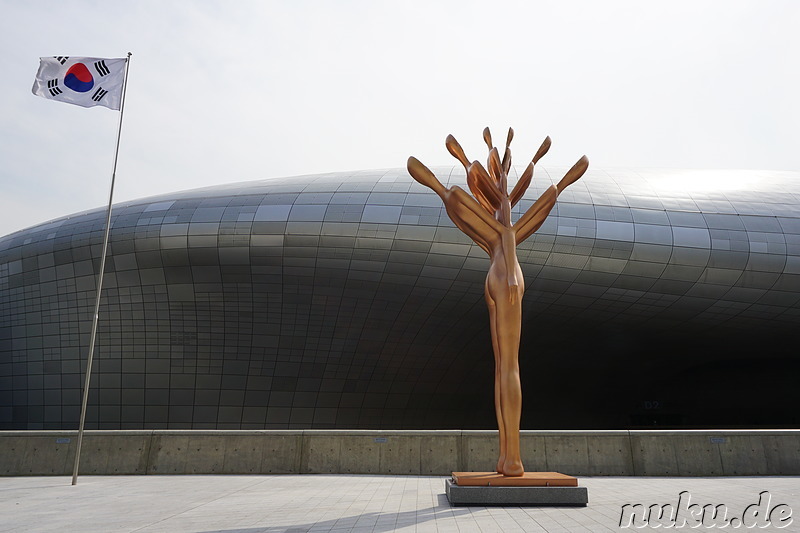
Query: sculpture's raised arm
x=536 y=214
x=573 y=174
x=507 y=153
x=423 y=175
x=484 y=188
x=466 y=213
x=456 y=151
x=495 y=168
x=472 y=219
x=525 y=180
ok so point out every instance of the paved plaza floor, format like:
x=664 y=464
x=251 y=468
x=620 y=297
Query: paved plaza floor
x=317 y=503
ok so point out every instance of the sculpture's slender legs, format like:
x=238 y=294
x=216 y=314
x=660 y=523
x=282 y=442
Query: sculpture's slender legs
x=511 y=400
x=507 y=323
x=498 y=407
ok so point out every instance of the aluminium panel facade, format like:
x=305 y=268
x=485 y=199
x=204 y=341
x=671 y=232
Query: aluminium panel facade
x=349 y=300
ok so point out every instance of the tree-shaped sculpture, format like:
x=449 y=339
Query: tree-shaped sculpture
x=486 y=219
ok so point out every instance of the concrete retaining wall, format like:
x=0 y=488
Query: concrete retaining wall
x=579 y=453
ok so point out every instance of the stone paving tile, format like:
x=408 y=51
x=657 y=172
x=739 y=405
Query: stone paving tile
x=343 y=503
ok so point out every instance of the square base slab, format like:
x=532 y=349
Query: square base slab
x=485 y=495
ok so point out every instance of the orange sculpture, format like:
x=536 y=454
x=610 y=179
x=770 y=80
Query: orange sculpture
x=486 y=219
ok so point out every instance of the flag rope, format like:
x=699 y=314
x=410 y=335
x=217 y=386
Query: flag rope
x=99 y=284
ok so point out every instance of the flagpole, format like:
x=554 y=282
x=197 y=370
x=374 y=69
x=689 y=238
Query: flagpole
x=99 y=283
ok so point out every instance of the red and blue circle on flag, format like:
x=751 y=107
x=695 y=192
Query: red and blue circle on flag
x=78 y=78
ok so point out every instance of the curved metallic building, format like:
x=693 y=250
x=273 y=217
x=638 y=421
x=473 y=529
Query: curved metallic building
x=349 y=300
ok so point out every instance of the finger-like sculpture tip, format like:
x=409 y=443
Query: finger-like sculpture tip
x=543 y=149
x=413 y=164
x=487 y=137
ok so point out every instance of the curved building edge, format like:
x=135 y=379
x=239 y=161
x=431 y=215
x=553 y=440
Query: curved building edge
x=349 y=300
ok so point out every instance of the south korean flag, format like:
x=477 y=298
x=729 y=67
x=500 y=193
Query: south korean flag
x=83 y=81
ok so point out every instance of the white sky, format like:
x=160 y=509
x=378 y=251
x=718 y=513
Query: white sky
x=237 y=90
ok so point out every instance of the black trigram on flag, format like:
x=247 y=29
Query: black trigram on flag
x=61 y=59
x=101 y=68
x=99 y=94
x=53 y=87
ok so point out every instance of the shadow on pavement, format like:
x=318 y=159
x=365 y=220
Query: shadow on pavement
x=376 y=521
